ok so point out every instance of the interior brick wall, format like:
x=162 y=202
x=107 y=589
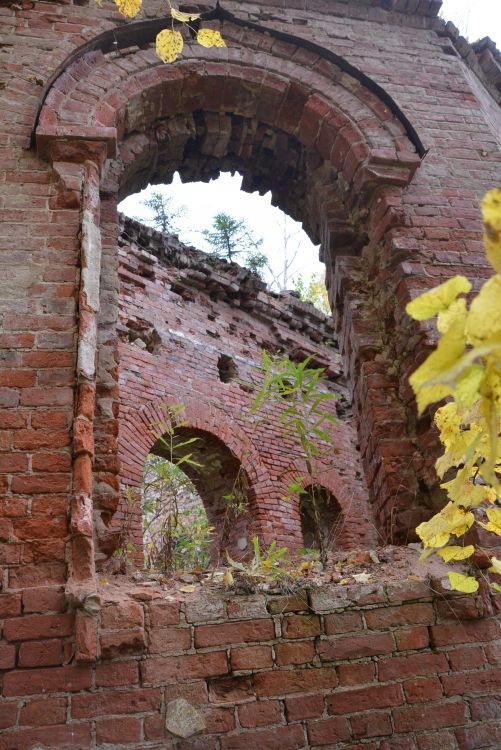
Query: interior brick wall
x=189 y=310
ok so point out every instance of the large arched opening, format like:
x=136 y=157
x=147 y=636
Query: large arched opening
x=333 y=148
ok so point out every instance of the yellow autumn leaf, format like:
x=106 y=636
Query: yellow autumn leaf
x=496 y=586
x=433 y=533
x=210 y=38
x=455 y=552
x=437 y=300
x=446 y=317
x=178 y=15
x=491 y=211
x=494 y=523
x=468 y=385
x=495 y=566
x=449 y=423
x=188 y=589
x=484 y=319
x=228 y=578
x=169 y=45
x=429 y=381
x=466 y=584
x=129 y=8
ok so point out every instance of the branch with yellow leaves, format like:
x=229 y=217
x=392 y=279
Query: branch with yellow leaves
x=465 y=368
x=169 y=42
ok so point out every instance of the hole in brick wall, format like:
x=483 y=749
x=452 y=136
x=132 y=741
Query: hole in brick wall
x=321 y=517
x=227 y=369
x=144 y=335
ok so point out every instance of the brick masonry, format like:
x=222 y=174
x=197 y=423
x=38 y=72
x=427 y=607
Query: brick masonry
x=332 y=106
x=373 y=666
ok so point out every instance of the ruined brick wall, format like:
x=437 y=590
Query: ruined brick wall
x=353 y=668
x=180 y=313
x=372 y=122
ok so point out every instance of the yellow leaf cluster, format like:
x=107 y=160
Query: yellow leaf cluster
x=169 y=43
x=465 y=367
x=129 y=8
x=438 y=300
x=456 y=553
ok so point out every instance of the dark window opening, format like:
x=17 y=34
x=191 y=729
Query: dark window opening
x=321 y=518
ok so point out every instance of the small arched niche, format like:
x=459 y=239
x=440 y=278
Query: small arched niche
x=215 y=477
x=321 y=518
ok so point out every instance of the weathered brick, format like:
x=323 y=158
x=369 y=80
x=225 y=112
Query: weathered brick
x=464 y=632
x=300 y=626
x=38 y=626
x=406 y=614
x=300 y=707
x=241 y=632
x=424 y=663
x=364 y=699
x=343 y=622
x=114 y=731
x=328 y=731
x=260 y=714
x=355 y=647
x=371 y=724
x=251 y=657
x=301 y=652
x=286 y=738
x=109 y=702
x=429 y=716
x=422 y=689
x=293 y=681
x=40 y=653
x=166 y=670
x=54 y=679
x=45 y=711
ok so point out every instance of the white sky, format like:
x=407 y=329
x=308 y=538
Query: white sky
x=475 y=19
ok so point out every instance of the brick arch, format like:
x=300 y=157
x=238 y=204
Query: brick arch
x=136 y=441
x=350 y=136
x=136 y=425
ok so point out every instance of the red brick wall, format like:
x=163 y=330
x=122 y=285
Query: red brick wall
x=190 y=311
x=371 y=667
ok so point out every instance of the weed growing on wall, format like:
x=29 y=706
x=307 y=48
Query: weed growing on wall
x=304 y=417
x=465 y=368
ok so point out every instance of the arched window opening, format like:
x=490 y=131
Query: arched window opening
x=195 y=500
x=321 y=518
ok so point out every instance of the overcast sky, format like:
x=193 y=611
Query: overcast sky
x=202 y=201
